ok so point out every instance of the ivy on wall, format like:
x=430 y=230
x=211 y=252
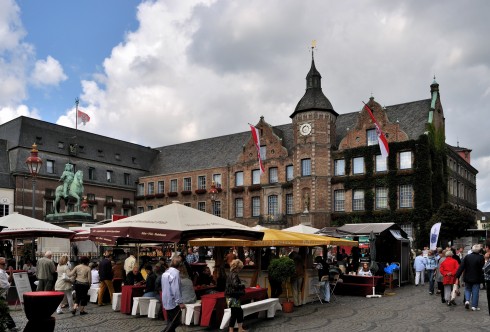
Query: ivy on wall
x=427 y=178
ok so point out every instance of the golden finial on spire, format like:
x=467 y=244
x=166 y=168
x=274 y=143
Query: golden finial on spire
x=313 y=43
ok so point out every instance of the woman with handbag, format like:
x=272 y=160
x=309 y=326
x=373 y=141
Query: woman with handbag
x=234 y=290
x=83 y=279
x=448 y=271
x=64 y=283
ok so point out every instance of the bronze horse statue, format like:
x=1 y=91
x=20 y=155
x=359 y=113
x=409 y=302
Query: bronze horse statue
x=75 y=191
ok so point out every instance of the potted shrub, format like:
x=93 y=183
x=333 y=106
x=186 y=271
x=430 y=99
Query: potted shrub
x=280 y=270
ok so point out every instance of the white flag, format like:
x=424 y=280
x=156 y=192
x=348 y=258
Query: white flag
x=434 y=235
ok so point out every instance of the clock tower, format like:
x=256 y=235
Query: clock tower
x=314 y=135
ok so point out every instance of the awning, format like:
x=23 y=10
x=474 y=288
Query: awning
x=274 y=237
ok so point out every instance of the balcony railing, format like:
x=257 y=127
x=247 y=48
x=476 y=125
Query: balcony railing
x=272 y=219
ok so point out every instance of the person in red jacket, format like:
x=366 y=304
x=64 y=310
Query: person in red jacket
x=448 y=270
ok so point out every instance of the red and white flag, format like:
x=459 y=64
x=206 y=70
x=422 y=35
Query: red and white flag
x=383 y=143
x=83 y=117
x=256 y=137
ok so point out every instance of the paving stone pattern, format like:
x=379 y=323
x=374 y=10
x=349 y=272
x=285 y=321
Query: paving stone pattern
x=409 y=309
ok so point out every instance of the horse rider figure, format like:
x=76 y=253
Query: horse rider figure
x=67 y=178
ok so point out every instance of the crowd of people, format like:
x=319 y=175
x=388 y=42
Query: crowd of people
x=451 y=269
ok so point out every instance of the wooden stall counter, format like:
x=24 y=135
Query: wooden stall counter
x=359 y=285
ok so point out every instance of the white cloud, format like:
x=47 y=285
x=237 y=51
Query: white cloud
x=193 y=70
x=48 y=72
x=9 y=113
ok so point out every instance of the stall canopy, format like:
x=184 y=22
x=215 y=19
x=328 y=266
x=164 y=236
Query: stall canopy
x=172 y=223
x=20 y=226
x=85 y=236
x=275 y=237
x=302 y=229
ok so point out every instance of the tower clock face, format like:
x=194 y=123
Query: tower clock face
x=305 y=129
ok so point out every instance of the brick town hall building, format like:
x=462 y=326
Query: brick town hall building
x=321 y=169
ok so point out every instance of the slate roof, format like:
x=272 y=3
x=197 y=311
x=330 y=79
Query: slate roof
x=5 y=180
x=22 y=132
x=223 y=150
x=412 y=118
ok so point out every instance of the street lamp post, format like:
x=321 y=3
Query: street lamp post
x=34 y=164
x=213 y=192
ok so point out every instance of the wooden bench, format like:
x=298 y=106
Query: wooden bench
x=269 y=305
x=154 y=308
x=140 y=306
x=192 y=313
x=116 y=301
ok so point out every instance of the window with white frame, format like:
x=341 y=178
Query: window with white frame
x=161 y=187
x=289 y=203
x=201 y=206
x=358 y=200
x=255 y=206
x=381 y=163
x=372 y=137
x=358 y=164
x=149 y=208
x=201 y=182
x=405 y=159
x=151 y=188
x=381 y=198
x=406 y=196
x=4 y=209
x=273 y=178
x=187 y=204
x=256 y=176
x=239 y=207
x=339 y=200
x=305 y=167
x=289 y=172
x=217 y=208
x=50 y=166
x=141 y=189
x=187 y=184
x=408 y=228
x=263 y=152
x=173 y=185
x=339 y=167
x=140 y=209
x=110 y=176
x=127 y=179
x=91 y=173
x=272 y=205
x=238 y=179
x=109 y=211
x=217 y=180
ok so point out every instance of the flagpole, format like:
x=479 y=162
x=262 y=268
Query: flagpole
x=76 y=112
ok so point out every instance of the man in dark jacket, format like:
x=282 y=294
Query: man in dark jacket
x=472 y=265
x=105 y=277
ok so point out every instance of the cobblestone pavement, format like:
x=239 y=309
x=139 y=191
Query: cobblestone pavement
x=409 y=308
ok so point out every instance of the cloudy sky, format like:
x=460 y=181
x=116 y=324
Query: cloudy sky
x=163 y=72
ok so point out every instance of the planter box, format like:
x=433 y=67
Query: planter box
x=186 y=192
x=254 y=187
x=160 y=195
x=139 y=198
x=237 y=189
x=201 y=191
x=172 y=194
x=150 y=196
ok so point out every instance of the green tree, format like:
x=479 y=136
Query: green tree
x=454 y=223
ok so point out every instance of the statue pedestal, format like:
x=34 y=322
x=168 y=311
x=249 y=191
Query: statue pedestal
x=305 y=219
x=70 y=219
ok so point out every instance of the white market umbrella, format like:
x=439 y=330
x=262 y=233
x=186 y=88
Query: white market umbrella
x=302 y=229
x=20 y=226
x=173 y=223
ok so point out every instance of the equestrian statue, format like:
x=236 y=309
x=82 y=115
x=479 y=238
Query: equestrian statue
x=72 y=188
